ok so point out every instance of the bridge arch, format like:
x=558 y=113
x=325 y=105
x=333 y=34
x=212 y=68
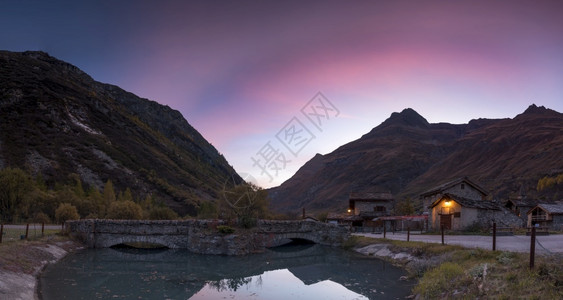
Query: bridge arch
x=284 y=238
x=128 y=239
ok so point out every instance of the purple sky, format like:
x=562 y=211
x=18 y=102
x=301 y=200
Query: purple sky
x=239 y=71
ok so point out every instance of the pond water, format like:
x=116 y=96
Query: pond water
x=289 y=272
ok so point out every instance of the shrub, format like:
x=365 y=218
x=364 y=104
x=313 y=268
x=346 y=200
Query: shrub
x=66 y=212
x=162 y=213
x=440 y=279
x=225 y=229
x=42 y=218
x=125 y=210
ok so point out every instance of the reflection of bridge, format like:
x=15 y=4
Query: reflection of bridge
x=201 y=236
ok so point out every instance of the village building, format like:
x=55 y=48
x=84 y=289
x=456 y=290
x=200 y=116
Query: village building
x=367 y=207
x=371 y=205
x=461 y=204
x=462 y=187
x=459 y=213
x=520 y=206
x=548 y=216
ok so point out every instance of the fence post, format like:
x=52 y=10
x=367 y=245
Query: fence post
x=1 y=231
x=442 y=230
x=532 y=247
x=408 y=234
x=384 y=229
x=494 y=236
x=42 y=228
x=26 y=230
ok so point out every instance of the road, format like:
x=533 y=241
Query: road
x=31 y=226
x=550 y=244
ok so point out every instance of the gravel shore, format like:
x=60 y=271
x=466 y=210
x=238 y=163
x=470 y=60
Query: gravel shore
x=22 y=262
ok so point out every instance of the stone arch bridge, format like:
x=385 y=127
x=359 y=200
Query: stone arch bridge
x=202 y=236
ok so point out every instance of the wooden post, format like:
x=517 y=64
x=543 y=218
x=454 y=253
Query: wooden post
x=442 y=229
x=408 y=234
x=384 y=229
x=1 y=231
x=26 y=230
x=43 y=229
x=532 y=247
x=494 y=236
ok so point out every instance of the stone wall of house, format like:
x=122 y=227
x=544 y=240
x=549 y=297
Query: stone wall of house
x=473 y=218
x=202 y=236
x=369 y=206
x=467 y=192
x=557 y=222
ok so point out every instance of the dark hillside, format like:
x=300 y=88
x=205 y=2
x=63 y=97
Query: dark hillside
x=56 y=120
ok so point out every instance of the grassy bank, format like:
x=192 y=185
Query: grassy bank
x=448 y=271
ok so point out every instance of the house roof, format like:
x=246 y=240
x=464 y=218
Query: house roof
x=469 y=203
x=552 y=208
x=370 y=196
x=441 y=188
x=522 y=202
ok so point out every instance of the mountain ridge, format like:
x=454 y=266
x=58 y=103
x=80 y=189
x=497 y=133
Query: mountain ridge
x=407 y=155
x=57 y=120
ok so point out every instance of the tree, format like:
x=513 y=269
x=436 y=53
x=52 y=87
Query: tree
x=207 y=210
x=246 y=202
x=14 y=185
x=125 y=196
x=162 y=213
x=66 y=212
x=404 y=207
x=125 y=210
x=109 y=193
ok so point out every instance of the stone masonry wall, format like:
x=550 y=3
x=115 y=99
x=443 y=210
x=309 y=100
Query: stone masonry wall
x=202 y=236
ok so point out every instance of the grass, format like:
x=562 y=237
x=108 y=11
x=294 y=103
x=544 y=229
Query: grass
x=34 y=233
x=449 y=271
x=26 y=256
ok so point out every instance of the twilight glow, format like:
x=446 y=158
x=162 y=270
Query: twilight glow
x=239 y=71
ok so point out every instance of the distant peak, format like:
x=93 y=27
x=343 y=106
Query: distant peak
x=538 y=110
x=533 y=109
x=407 y=117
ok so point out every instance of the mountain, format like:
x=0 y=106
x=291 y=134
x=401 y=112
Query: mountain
x=56 y=120
x=406 y=155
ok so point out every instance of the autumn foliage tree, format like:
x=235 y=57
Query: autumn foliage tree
x=245 y=202
x=66 y=212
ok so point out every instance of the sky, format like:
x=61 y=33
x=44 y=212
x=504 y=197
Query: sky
x=272 y=83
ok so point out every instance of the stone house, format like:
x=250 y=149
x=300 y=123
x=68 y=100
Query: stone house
x=462 y=187
x=546 y=215
x=368 y=206
x=371 y=205
x=520 y=206
x=460 y=213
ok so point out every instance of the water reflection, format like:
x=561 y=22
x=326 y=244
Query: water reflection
x=298 y=272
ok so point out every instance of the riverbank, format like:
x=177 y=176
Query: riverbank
x=21 y=262
x=450 y=271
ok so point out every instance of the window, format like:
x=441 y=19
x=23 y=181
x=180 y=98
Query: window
x=379 y=208
x=463 y=186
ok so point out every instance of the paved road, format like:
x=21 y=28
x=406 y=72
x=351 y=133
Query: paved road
x=31 y=226
x=550 y=244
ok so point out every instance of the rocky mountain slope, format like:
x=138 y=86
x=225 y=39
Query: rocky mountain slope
x=406 y=155
x=56 y=120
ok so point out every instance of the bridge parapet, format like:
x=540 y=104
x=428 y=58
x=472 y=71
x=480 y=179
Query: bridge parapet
x=201 y=236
